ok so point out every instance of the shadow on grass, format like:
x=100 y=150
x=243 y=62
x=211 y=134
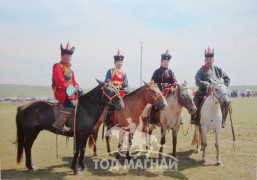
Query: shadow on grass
x=50 y=172
x=62 y=171
x=185 y=162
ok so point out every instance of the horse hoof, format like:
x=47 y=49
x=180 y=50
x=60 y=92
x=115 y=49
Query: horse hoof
x=118 y=156
x=77 y=172
x=204 y=163
x=220 y=164
x=110 y=154
x=83 y=168
x=95 y=154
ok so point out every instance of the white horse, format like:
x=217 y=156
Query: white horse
x=171 y=116
x=211 y=118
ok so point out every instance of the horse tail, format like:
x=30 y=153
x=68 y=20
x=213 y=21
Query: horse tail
x=91 y=140
x=20 y=135
x=194 y=140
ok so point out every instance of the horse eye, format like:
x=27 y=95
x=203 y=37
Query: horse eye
x=216 y=89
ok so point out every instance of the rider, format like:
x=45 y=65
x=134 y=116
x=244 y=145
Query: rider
x=164 y=78
x=119 y=79
x=65 y=86
x=202 y=80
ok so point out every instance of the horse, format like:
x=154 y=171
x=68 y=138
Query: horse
x=171 y=116
x=38 y=116
x=135 y=103
x=211 y=118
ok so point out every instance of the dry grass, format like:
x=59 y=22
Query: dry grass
x=239 y=164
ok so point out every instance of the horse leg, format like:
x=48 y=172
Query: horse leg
x=107 y=139
x=82 y=153
x=130 y=137
x=121 y=135
x=174 y=142
x=148 y=138
x=30 y=136
x=217 y=137
x=204 y=145
x=197 y=135
x=163 y=141
x=75 y=156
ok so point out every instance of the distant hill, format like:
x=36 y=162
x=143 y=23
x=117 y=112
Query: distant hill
x=10 y=90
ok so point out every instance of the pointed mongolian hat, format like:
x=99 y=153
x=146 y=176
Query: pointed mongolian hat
x=118 y=57
x=67 y=50
x=209 y=53
x=166 y=56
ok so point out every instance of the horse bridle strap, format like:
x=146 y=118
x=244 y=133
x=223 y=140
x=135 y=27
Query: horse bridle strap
x=217 y=96
x=110 y=98
x=150 y=94
x=180 y=101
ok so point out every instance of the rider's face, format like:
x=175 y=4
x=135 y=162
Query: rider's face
x=208 y=61
x=66 y=58
x=165 y=63
x=118 y=64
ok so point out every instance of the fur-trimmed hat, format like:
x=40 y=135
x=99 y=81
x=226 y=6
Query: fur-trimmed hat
x=67 y=50
x=209 y=53
x=166 y=56
x=118 y=57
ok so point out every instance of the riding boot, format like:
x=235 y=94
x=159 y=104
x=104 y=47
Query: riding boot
x=224 y=112
x=62 y=119
x=193 y=117
x=154 y=116
x=107 y=121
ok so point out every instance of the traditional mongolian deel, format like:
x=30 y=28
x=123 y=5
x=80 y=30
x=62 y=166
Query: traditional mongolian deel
x=116 y=75
x=163 y=75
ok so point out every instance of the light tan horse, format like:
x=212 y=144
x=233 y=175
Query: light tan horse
x=171 y=116
x=135 y=103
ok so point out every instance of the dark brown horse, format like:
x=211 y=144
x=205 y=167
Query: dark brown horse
x=38 y=116
x=135 y=103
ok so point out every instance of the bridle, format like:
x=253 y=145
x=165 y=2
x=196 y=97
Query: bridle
x=214 y=95
x=110 y=98
x=155 y=98
x=105 y=94
x=180 y=98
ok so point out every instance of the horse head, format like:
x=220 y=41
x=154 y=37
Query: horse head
x=219 y=92
x=111 y=95
x=185 y=97
x=154 y=95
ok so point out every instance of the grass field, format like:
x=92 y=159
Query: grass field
x=238 y=164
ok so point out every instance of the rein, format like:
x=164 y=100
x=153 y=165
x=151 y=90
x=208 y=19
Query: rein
x=213 y=94
x=104 y=93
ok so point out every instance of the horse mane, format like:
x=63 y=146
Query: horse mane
x=132 y=93
x=92 y=92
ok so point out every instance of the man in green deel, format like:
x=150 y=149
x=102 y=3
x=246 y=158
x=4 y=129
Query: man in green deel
x=202 y=80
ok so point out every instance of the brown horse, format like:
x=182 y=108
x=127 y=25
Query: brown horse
x=171 y=116
x=135 y=103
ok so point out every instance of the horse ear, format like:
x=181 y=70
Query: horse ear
x=186 y=83
x=179 y=85
x=146 y=83
x=100 y=82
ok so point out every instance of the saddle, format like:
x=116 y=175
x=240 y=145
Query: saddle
x=63 y=115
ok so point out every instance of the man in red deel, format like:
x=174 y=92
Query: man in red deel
x=64 y=85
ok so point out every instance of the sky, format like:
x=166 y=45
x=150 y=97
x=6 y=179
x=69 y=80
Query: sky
x=31 y=33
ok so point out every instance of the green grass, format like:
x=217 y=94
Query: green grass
x=239 y=164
